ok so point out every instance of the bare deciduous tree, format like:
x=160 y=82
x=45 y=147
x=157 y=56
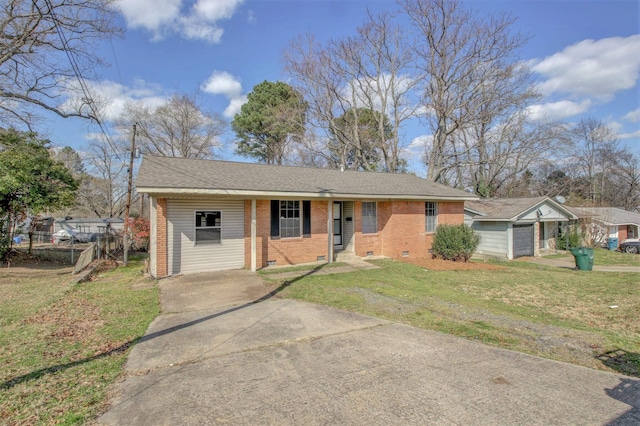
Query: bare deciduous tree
x=367 y=72
x=596 y=149
x=469 y=68
x=178 y=128
x=46 y=45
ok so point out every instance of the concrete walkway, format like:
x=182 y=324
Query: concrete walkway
x=288 y=362
x=353 y=264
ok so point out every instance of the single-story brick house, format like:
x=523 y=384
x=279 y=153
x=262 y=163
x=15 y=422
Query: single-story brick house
x=211 y=215
x=516 y=227
x=601 y=223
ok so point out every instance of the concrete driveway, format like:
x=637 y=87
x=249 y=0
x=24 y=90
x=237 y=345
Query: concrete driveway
x=217 y=358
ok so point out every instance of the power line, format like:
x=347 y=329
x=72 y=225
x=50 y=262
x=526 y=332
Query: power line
x=76 y=70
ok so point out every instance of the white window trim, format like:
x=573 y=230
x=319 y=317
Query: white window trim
x=435 y=225
x=375 y=203
x=195 y=228
x=300 y=217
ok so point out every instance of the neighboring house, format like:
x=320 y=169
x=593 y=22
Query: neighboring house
x=516 y=227
x=214 y=215
x=600 y=223
x=90 y=225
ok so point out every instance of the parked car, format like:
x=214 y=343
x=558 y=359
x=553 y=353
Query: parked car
x=68 y=234
x=630 y=245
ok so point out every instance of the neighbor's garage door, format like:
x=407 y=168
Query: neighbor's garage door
x=522 y=240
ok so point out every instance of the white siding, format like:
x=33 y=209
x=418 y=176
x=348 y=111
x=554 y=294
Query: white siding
x=493 y=238
x=547 y=213
x=186 y=257
x=347 y=228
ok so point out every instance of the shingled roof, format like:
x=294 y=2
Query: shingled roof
x=507 y=208
x=168 y=175
x=609 y=215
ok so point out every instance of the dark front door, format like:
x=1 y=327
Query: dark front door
x=337 y=223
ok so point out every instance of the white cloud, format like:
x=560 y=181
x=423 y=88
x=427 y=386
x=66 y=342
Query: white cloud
x=149 y=14
x=163 y=17
x=633 y=116
x=215 y=10
x=113 y=98
x=631 y=135
x=598 y=68
x=224 y=83
x=234 y=106
x=419 y=145
x=558 y=110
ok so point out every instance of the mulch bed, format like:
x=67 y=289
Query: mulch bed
x=449 y=265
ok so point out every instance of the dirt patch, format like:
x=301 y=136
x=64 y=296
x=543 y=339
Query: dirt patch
x=72 y=320
x=449 y=265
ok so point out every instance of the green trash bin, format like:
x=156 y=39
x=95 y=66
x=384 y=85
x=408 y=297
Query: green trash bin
x=584 y=258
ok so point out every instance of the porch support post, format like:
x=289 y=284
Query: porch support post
x=330 y=230
x=254 y=256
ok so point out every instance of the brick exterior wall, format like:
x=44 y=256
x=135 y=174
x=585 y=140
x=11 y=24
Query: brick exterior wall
x=161 y=238
x=285 y=251
x=622 y=233
x=401 y=228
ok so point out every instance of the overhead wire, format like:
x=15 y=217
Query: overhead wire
x=76 y=70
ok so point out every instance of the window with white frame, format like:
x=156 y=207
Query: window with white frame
x=431 y=216
x=369 y=218
x=208 y=227
x=290 y=224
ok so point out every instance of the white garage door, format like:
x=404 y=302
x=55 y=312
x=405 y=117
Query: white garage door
x=522 y=240
x=226 y=252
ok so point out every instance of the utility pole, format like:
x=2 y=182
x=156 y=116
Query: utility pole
x=125 y=237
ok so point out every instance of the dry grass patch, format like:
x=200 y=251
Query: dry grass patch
x=62 y=345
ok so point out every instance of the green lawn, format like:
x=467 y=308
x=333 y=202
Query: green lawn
x=62 y=344
x=604 y=257
x=587 y=318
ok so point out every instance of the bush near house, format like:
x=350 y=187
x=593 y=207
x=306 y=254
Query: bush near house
x=570 y=238
x=140 y=232
x=454 y=242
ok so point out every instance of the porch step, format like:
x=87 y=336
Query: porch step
x=350 y=257
x=344 y=256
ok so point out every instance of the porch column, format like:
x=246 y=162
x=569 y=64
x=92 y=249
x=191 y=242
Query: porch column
x=330 y=230
x=254 y=255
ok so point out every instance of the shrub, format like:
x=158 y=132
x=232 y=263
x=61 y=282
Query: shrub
x=454 y=242
x=570 y=236
x=140 y=232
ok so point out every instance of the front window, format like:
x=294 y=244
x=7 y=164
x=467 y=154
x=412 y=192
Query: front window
x=208 y=227
x=369 y=218
x=290 y=219
x=431 y=216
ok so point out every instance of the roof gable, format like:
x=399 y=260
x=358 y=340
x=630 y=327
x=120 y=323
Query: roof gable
x=514 y=209
x=166 y=175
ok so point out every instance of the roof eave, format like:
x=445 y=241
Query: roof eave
x=236 y=193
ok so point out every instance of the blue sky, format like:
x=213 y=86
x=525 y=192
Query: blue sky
x=585 y=54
